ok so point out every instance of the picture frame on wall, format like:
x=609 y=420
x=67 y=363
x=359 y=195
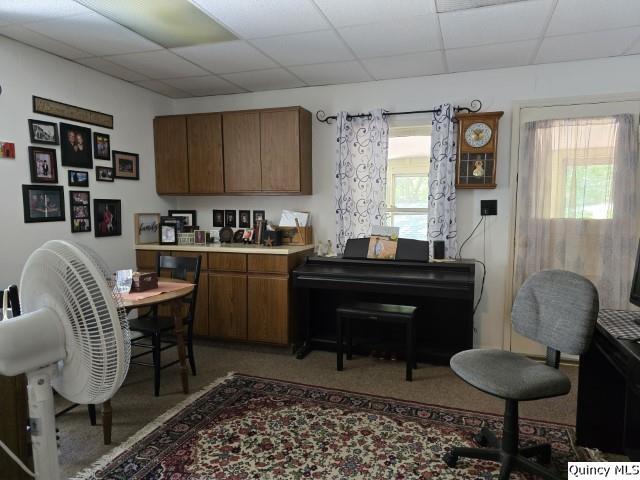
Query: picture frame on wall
x=126 y=165
x=75 y=146
x=218 y=218
x=107 y=217
x=230 y=218
x=43 y=165
x=258 y=215
x=80 y=210
x=190 y=216
x=146 y=228
x=244 y=219
x=43 y=132
x=78 y=178
x=43 y=203
x=101 y=146
x=104 y=174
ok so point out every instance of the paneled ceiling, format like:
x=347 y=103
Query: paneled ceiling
x=294 y=43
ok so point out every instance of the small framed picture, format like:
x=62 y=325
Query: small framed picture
x=230 y=218
x=258 y=215
x=101 y=146
x=43 y=203
x=104 y=174
x=126 y=165
x=168 y=234
x=8 y=150
x=107 y=217
x=244 y=218
x=75 y=146
x=200 y=237
x=190 y=217
x=44 y=167
x=78 y=178
x=43 y=132
x=146 y=227
x=218 y=218
x=80 y=207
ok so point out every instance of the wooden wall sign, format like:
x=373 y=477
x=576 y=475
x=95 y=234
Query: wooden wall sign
x=71 y=112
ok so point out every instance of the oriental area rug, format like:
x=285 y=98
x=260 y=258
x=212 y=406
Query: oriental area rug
x=245 y=427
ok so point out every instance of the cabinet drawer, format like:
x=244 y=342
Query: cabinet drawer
x=203 y=257
x=268 y=263
x=228 y=262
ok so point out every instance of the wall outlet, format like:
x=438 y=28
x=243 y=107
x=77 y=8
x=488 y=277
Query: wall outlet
x=488 y=207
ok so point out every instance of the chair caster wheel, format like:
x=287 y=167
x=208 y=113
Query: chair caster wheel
x=450 y=459
x=481 y=440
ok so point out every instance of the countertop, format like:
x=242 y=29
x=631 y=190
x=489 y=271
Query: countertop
x=230 y=248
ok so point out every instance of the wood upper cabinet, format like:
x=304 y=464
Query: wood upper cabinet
x=241 y=140
x=280 y=151
x=204 y=137
x=228 y=305
x=170 y=142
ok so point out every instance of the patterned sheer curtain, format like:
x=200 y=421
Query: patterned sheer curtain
x=361 y=175
x=442 y=179
x=577 y=204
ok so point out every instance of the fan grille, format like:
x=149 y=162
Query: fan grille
x=74 y=281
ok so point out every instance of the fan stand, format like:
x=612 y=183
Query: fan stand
x=42 y=423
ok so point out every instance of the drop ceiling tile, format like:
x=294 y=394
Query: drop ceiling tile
x=273 y=79
x=343 y=13
x=394 y=38
x=23 y=11
x=110 y=68
x=410 y=65
x=265 y=18
x=305 y=48
x=94 y=33
x=163 y=89
x=200 y=86
x=331 y=73
x=226 y=57
x=606 y=43
x=24 y=35
x=576 y=16
x=158 y=65
x=490 y=56
x=496 y=24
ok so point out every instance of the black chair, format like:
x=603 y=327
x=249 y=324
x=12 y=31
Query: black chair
x=152 y=326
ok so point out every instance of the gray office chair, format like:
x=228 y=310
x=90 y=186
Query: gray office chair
x=558 y=309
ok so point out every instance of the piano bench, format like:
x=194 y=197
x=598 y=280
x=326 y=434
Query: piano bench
x=381 y=313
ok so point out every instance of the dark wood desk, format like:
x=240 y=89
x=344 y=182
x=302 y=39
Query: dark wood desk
x=608 y=416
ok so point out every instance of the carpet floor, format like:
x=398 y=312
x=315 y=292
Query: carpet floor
x=134 y=406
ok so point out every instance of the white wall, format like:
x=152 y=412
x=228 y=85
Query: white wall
x=25 y=72
x=496 y=88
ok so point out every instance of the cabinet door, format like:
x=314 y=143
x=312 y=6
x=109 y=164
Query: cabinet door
x=280 y=151
x=228 y=305
x=201 y=322
x=170 y=141
x=268 y=299
x=146 y=260
x=241 y=140
x=204 y=134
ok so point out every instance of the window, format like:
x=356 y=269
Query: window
x=408 y=180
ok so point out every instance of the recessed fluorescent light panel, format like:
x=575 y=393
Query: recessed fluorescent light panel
x=170 y=23
x=443 y=6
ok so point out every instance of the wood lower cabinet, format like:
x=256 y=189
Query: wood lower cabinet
x=268 y=314
x=228 y=305
x=201 y=322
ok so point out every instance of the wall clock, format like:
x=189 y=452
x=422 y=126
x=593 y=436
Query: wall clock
x=477 y=149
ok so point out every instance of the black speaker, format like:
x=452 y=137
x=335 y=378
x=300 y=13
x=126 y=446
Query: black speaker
x=438 y=249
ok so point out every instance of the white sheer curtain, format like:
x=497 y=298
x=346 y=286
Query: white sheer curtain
x=361 y=175
x=577 y=203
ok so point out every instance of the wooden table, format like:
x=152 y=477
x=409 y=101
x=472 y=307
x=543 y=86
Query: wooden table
x=174 y=299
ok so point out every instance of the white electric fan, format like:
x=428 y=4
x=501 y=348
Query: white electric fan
x=72 y=335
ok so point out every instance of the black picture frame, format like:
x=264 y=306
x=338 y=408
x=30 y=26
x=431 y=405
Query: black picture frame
x=244 y=218
x=43 y=132
x=258 y=215
x=80 y=211
x=101 y=146
x=107 y=217
x=168 y=233
x=78 y=178
x=126 y=165
x=43 y=203
x=75 y=146
x=191 y=215
x=104 y=174
x=218 y=218
x=43 y=165
x=230 y=218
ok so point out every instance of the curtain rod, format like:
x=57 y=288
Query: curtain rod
x=321 y=116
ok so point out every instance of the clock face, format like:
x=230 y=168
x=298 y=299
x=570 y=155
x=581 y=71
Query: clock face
x=477 y=134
